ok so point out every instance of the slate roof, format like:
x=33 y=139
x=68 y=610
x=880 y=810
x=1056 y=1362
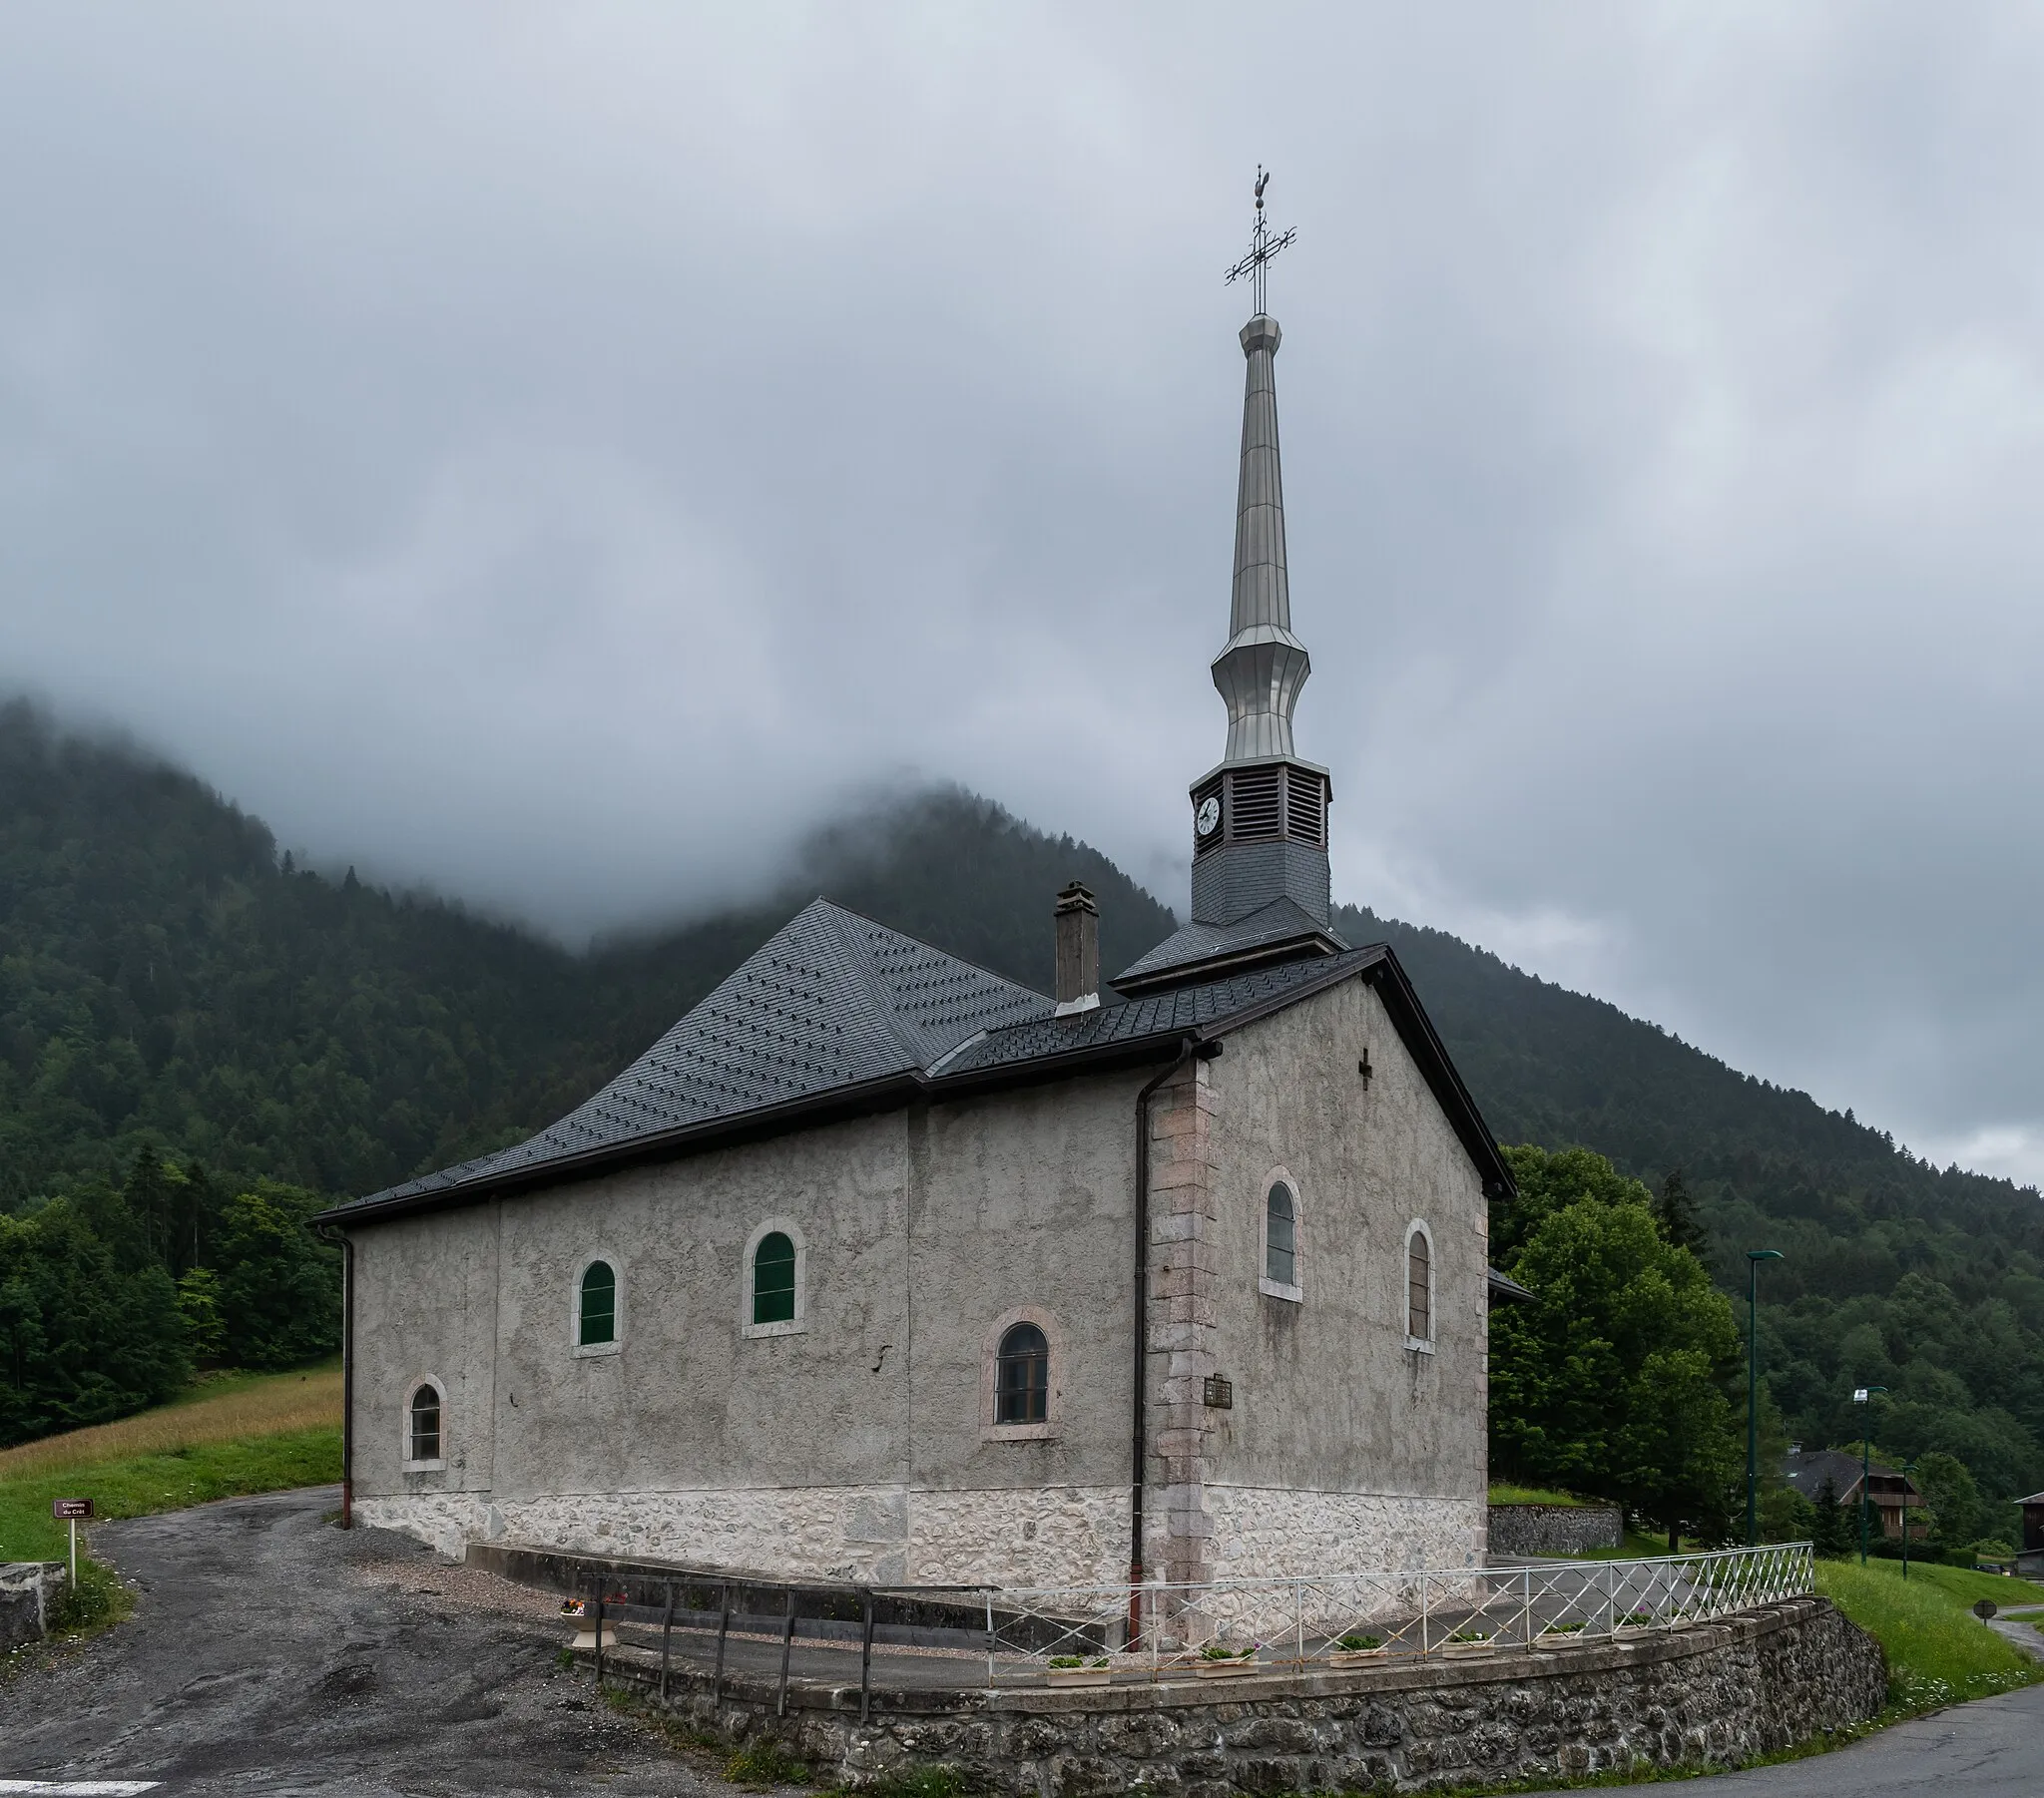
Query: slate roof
x=1806 y=1473
x=1284 y=921
x=837 y=1011
x=830 y=1000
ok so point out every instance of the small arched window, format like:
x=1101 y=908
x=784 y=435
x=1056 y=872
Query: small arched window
x=773 y=1279
x=1418 y=1287
x=1022 y=1377
x=1280 y=1237
x=597 y=1312
x=422 y=1437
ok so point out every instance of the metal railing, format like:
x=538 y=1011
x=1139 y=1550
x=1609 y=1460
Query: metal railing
x=1090 y=1634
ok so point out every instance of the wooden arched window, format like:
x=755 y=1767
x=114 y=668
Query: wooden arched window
x=424 y=1435
x=596 y=1312
x=773 y=1279
x=1022 y=1377
x=1280 y=1237
x=1418 y=1286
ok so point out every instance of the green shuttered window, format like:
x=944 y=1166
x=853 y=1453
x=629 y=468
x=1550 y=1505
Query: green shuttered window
x=773 y=1279
x=599 y=1308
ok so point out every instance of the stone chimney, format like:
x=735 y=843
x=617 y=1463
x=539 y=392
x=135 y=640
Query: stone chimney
x=1077 y=924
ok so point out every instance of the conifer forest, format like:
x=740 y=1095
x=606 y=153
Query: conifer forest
x=203 y=1042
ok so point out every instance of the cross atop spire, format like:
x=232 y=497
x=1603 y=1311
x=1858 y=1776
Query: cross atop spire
x=1264 y=244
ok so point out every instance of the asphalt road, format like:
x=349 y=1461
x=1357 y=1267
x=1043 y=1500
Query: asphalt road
x=272 y=1653
x=1991 y=1748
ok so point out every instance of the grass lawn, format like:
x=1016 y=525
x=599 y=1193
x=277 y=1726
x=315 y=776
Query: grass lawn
x=1530 y=1494
x=239 y=1434
x=1938 y=1651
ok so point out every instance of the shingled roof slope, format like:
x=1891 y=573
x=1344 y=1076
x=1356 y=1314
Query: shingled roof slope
x=830 y=1000
x=834 y=1009
x=1280 y=924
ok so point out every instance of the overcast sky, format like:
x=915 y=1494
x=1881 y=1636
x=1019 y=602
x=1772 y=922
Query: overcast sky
x=561 y=453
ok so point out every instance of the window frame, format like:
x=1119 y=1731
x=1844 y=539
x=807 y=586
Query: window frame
x=588 y=1350
x=788 y=1326
x=990 y=1377
x=405 y=1460
x=1294 y=1294
x=1424 y=1345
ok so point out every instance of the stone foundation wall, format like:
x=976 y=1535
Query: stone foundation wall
x=1265 y=1533
x=1715 y=1693
x=1555 y=1529
x=888 y=1535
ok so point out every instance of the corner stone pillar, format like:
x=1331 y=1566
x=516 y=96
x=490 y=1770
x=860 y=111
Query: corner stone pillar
x=1178 y=1534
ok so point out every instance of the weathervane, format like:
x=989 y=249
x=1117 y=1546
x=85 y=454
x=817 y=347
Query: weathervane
x=1263 y=246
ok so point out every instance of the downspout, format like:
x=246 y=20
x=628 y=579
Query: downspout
x=1141 y=1422
x=347 y=1372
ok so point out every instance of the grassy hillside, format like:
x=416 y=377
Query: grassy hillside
x=248 y=1433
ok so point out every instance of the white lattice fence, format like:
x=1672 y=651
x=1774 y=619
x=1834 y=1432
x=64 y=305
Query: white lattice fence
x=1087 y=1633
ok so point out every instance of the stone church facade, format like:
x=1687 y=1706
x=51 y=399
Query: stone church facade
x=878 y=1266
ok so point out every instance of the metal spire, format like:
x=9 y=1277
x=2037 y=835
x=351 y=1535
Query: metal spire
x=1259 y=673
x=1263 y=246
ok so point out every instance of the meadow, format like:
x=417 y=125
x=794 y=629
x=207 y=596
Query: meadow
x=1938 y=1651
x=230 y=1434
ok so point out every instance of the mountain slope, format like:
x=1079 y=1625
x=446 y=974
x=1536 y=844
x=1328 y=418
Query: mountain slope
x=165 y=980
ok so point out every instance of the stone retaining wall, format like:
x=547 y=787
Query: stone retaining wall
x=25 y=1589
x=1555 y=1529
x=1714 y=1692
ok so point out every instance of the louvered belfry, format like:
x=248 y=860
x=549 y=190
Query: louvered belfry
x=1260 y=871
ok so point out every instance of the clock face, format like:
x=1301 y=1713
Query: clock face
x=1207 y=820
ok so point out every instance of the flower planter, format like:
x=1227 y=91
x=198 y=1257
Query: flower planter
x=1225 y=1670
x=1355 y=1657
x=1482 y=1648
x=1078 y=1675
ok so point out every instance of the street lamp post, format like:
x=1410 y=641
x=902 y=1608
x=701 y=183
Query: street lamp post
x=1754 y=1258
x=1908 y=1467
x=1863 y=1395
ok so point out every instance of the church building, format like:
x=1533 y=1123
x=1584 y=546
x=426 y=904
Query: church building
x=878 y=1266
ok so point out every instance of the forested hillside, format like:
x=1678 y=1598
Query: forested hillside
x=166 y=981
x=1894 y=1273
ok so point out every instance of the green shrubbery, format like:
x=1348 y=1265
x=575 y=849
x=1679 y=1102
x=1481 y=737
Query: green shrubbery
x=110 y=1296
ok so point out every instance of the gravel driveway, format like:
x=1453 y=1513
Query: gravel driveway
x=272 y=1654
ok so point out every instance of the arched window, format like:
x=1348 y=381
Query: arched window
x=1280 y=1237
x=773 y=1279
x=596 y=1312
x=1022 y=1377
x=1418 y=1286
x=422 y=1437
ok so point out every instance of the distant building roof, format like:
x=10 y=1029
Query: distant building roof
x=836 y=1015
x=1807 y=1472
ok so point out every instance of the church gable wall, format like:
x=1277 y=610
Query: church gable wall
x=1343 y=1446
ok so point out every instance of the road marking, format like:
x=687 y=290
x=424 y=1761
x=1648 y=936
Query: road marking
x=81 y=1788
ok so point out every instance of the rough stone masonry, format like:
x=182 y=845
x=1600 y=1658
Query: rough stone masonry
x=1715 y=1693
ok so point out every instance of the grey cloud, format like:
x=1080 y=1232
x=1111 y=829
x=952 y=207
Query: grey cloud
x=562 y=455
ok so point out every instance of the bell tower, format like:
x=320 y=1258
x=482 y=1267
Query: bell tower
x=1261 y=888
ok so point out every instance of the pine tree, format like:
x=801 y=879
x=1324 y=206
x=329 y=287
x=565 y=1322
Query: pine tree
x=1831 y=1532
x=1676 y=1211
